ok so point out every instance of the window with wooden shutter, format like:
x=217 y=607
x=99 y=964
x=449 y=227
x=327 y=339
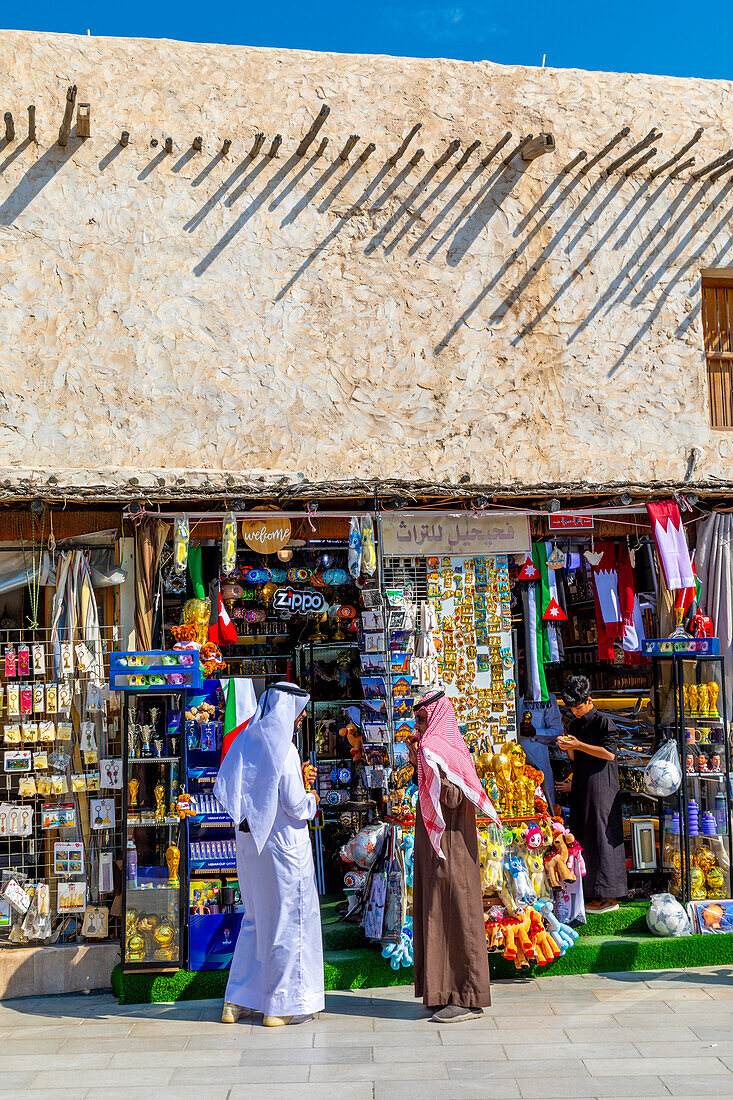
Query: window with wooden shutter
x=717 y=327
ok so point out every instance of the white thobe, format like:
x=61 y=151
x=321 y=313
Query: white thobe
x=277 y=967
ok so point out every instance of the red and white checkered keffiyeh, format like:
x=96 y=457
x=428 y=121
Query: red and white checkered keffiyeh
x=441 y=746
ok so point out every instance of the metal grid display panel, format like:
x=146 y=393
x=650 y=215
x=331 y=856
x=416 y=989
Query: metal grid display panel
x=29 y=858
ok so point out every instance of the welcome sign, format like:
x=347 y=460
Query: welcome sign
x=267 y=536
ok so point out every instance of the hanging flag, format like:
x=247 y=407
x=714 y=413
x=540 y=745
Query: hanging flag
x=605 y=595
x=223 y=631
x=554 y=613
x=633 y=625
x=669 y=535
x=529 y=571
x=240 y=706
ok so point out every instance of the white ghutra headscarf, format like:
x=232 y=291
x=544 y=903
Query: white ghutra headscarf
x=249 y=776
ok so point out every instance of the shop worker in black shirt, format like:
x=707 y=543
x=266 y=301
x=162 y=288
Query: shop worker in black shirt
x=595 y=801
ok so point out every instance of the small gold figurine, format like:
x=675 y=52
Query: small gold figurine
x=173 y=858
x=133 y=785
x=159 y=792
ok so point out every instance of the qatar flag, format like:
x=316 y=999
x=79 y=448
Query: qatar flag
x=669 y=535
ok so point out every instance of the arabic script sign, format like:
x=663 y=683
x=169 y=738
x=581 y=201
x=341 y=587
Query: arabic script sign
x=469 y=537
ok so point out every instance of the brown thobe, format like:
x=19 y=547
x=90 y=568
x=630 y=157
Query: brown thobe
x=449 y=936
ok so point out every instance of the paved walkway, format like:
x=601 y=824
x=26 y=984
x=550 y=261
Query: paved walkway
x=640 y=1035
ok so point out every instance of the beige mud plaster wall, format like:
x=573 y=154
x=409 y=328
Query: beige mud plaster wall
x=164 y=314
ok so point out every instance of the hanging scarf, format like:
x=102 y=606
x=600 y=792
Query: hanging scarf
x=442 y=747
x=249 y=776
x=535 y=630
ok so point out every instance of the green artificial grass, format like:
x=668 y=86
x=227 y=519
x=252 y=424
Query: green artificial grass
x=608 y=943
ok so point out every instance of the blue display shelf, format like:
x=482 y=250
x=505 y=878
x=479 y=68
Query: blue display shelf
x=155 y=670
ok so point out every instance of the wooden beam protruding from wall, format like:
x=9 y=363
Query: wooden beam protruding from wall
x=640 y=162
x=639 y=147
x=416 y=157
x=367 y=151
x=706 y=168
x=678 y=155
x=9 y=127
x=312 y=133
x=577 y=159
x=681 y=167
x=496 y=148
x=259 y=141
x=351 y=142
x=65 y=127
x=197 y=144
x=517 y=149
x=83 y=120
x=226 y=146
x=606 y=149
x=125 y=138
x=450 y=149
x=467 y=153
x=537 y=147
x=276 y=143
x=168 y=145
x=405 y=142
x=32 y=123
x=321 y=148
x=721 y=172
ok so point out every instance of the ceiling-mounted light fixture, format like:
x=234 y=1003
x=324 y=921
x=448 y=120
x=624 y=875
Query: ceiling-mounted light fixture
x=286 y=554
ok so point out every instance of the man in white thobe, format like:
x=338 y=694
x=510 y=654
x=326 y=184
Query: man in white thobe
x=277 y=967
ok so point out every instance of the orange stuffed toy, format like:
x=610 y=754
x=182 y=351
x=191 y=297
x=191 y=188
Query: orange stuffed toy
x=494 y=936
x=515 y=930
x=545 y=948
x=353 y=736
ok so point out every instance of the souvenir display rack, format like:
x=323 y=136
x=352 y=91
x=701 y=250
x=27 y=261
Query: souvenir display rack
x=690 y=704
x=60 y=788
x=155 y=864
x=212 y=894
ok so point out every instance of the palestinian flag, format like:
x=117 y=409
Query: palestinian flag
x=240 y=706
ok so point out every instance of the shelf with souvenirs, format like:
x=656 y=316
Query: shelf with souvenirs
x=60 y=804
x=690 y=703
x=152 y=793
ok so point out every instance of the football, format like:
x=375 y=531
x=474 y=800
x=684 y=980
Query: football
x=666 y=917
x=662 y=778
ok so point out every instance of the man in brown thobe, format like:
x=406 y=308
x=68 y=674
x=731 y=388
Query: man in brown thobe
x=449 y=937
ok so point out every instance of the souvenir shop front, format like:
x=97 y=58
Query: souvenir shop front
x=117 y=655
x=365 y=610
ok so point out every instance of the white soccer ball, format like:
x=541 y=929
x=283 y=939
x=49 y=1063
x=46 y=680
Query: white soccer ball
x=662 y=778
x=666 y=917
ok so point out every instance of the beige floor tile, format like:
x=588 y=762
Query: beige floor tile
x=476 y=1089
x=702 y=1064
x=238 y=1075
x=382 y=1071
x=347 y=1090
x=550 y=1069
x=539 y=1088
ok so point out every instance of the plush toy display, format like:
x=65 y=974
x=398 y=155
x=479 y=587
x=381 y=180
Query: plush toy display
x=563 y=935
x=545 y=948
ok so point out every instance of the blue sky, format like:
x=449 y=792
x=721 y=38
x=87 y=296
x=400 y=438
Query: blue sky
x=639 y=36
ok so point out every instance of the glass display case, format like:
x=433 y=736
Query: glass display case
x=152 y=828
x=689 y=700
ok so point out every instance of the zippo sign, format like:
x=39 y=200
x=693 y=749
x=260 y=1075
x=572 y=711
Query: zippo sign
x=298 y=601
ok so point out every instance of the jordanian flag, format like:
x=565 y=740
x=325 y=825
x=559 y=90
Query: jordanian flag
x=240 y=706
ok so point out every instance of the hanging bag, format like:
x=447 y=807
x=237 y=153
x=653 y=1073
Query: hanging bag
x=377 y=893
x=663 y=773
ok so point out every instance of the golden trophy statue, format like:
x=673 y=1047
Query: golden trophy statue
x=713 y=692
x=702 y=700
x=692 y=692
x=173 y=858
x=686 y=698
x=159 y=793
x=502 y=769
x=165 y=938
x=133 y=785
